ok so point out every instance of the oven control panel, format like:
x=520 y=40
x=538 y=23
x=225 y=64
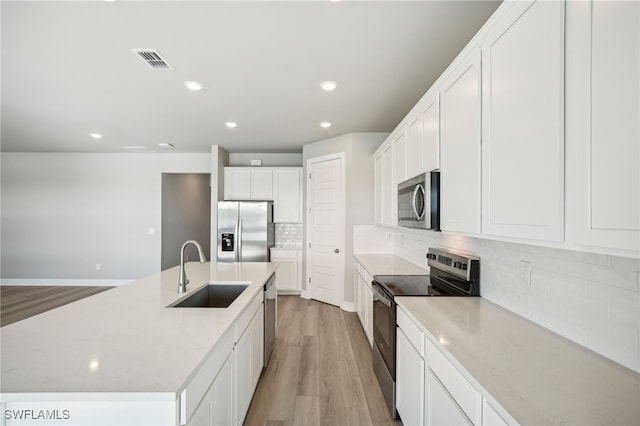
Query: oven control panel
x=459 y=264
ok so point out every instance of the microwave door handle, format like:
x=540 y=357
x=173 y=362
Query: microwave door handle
x=413 y=200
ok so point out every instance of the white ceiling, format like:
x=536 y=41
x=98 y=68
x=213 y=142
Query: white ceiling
x=68 y=70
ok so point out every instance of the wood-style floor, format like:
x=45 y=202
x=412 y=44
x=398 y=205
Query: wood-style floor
x=320 y=371
x=20 y=302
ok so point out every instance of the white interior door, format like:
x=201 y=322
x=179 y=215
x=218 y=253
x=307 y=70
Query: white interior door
x=325 y=233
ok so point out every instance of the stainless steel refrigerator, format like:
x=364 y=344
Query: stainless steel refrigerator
x=245 y=231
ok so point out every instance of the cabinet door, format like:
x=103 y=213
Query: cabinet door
x=389 y=189
x=222 y=395
x=249 y=360
x=603 y=129
x=490 y=416
x=287 y=195
x=400 y=156
x=357 y=296
x=257 y=349
x=415 y=156
x=378 y=188
x=261 y=184
x=460 y=137
x=409 y=381
x=368 y=310
x=237 y=183
x=523 y=124
x=430 y=114
x=287 y=273
x=441 y=408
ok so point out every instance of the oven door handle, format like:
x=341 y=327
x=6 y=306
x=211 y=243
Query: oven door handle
x=379 y=296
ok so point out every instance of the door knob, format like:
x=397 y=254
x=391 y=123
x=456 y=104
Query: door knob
x=336 y=251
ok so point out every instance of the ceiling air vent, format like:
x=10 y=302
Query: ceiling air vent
x=153 y=59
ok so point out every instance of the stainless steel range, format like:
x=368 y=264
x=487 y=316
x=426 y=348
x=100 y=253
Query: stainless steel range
x=452 y=274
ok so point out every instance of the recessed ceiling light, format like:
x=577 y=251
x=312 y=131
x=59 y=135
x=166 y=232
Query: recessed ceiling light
x=328 y=86
x=325 y=124
x=231 y=124
x=193 y=85
x=165 y=145
x=95 y=135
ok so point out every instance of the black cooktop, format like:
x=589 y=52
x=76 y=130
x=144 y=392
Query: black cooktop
x=412 y=285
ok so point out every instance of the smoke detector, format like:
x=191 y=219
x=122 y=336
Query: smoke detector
x=152 y=58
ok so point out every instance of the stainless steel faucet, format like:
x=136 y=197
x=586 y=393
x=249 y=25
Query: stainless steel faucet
x=183 y=280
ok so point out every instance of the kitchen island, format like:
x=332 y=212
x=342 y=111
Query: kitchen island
x=123 y=356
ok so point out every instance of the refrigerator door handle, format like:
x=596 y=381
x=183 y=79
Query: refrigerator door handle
x=239 y=243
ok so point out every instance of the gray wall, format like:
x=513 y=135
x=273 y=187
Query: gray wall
x=64 y=213
x=186 y=215
x=358 y=149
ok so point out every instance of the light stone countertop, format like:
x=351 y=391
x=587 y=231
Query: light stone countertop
x=124 y=339
x=539 y=377
x=389 y=264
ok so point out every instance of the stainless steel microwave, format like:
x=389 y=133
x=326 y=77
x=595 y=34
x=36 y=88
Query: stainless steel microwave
x=419 y=202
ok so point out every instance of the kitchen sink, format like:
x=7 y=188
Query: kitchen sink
x=213 y=296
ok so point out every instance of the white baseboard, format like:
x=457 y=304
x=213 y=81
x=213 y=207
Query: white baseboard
x=62 y=282
x=349 y=307
x=305 y=294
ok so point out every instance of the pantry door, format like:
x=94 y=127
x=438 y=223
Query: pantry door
x=325 y=230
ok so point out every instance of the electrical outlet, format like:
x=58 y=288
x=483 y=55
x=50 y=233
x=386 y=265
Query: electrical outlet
x=98 y=267
x=525 y=272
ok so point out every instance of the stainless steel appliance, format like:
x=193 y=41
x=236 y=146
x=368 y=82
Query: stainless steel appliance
x=270 y=303
x=246 y=231
x=419 y=202
x=451 y=274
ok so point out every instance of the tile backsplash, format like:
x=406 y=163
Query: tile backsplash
x=289 y=235
x=592 y=299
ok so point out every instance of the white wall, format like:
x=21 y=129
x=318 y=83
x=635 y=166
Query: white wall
x=268 y=159
x=64 y=213
x=358 y=148
x=592 y=299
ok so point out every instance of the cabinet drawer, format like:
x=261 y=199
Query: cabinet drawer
x=246 y=317
x=411 y=331
x=465 y=395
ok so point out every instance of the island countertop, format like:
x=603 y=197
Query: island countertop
x=125 y=339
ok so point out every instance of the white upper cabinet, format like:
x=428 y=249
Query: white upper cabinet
x=430 y=113
x=248 y=183
x=415 y=156
x=523 y=123
x=423 y=136
x=400 y=156
x=603 y=124
x=287 y=195
x=237 y=183
x=460 y=156
x=384 y=184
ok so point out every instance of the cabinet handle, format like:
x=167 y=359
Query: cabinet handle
x=336 y=251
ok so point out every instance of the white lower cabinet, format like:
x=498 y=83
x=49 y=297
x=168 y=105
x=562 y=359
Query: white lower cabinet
x=409 y=380
x=289 y=278
x=364 y=299
x=216 y=407
x=490 y=416
x=249 y=353
x=221 y=391
x=442 y=409
x=431 y=390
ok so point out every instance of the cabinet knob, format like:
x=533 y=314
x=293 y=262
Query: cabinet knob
x=336 y=251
